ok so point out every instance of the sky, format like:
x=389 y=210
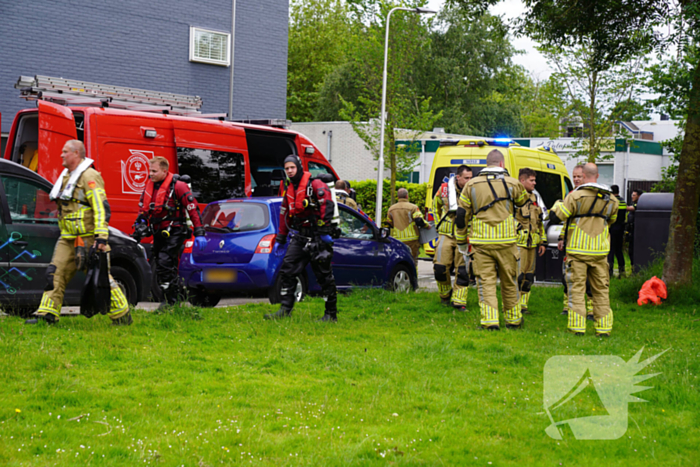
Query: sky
x=531 y=59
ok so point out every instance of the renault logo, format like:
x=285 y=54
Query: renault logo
x=221 y=244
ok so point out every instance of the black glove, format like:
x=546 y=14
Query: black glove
x=281 y=239
x=459 y=218
x=420 y=222
x=100 y=241
x=553 y=219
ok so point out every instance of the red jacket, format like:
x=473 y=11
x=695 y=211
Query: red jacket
x=163 y=209
x=301 y=211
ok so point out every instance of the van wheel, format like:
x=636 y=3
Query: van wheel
x=302 y=289
x=126 y=282
x=400 y=280
x=203 y=299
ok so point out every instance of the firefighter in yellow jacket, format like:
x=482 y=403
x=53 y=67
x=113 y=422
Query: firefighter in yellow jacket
x=83 y=215
x=488 y=201
x=445 y=205
x=588 y=211
x=577 y=177
x=531 y=236
x=405 y=219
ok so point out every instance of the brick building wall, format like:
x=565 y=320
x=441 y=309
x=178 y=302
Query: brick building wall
x=146 y=45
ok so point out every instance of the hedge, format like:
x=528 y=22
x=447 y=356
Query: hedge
x=367 y=195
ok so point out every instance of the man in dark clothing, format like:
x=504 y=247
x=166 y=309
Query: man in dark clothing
x=617 y=235
x=630 y=222
x=164 y=206
x=308 y=208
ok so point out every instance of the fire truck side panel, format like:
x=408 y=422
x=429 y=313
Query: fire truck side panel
x=122 y=141
x=119 y=145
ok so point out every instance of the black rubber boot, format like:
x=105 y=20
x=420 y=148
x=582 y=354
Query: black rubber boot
x=515 y=326
x=125 y=320
x=493 y=327
x=281 y=313
x=48 y=317
x=329 y=316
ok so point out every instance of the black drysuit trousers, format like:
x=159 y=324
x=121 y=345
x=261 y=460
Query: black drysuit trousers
x=302 y=251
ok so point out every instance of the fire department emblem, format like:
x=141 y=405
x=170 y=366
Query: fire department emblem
x=135 y=171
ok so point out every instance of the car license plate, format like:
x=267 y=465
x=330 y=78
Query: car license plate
x=220 y=275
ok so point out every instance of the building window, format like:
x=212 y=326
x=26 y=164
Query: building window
x=210 y=47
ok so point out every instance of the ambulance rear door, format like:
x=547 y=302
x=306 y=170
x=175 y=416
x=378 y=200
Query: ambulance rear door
x=56 y=126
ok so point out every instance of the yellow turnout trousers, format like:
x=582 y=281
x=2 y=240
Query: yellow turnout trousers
x=595 y=269
x=528 y=260
x=65 y=268
x=488 y=259
x=414 y=245
x=447 y=253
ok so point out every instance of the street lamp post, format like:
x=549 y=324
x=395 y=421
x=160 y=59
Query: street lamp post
x=380 y=169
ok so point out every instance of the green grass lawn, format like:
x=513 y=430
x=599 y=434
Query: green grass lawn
x=399 y=379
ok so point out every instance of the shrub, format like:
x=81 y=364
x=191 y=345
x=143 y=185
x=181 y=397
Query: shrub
x=367 y=195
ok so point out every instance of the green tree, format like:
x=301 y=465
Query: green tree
x=467 y=71
x=319 y=33
x=631 y=109
x=353 y=90
x=617 y=29
x=594 y=92
x=543 y=105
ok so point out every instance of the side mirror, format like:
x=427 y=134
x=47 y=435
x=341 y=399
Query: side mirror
x=384 y=233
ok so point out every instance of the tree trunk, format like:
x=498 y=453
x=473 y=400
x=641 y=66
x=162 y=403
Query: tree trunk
x=678 y=266
x=392 y=155
x=592 y=149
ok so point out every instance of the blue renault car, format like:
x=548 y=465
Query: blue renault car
x=240 y=254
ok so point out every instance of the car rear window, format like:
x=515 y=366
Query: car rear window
x=235 y=217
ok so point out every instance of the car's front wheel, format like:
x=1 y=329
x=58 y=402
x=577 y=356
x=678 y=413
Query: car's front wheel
x=126 y=282
x=300 y=290
x=400 y=279
x=202 y=298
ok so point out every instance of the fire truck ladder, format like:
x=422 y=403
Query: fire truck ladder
x=73 y=92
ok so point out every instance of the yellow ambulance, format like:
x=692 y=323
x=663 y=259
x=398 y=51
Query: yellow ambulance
x=553 y=180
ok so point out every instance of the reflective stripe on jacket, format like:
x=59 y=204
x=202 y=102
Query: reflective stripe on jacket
x=591 y=212
x=530 y=225
x=492 y=220
x=88 y=212
x=401 y=217
x=441 y=212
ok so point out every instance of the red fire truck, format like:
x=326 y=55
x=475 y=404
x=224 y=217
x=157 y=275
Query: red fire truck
x=123 y=128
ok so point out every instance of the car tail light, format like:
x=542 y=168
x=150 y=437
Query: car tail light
x=188 y=246
x=266 y=243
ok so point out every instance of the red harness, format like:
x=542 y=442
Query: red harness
x=296 y=199
x=161 y=194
